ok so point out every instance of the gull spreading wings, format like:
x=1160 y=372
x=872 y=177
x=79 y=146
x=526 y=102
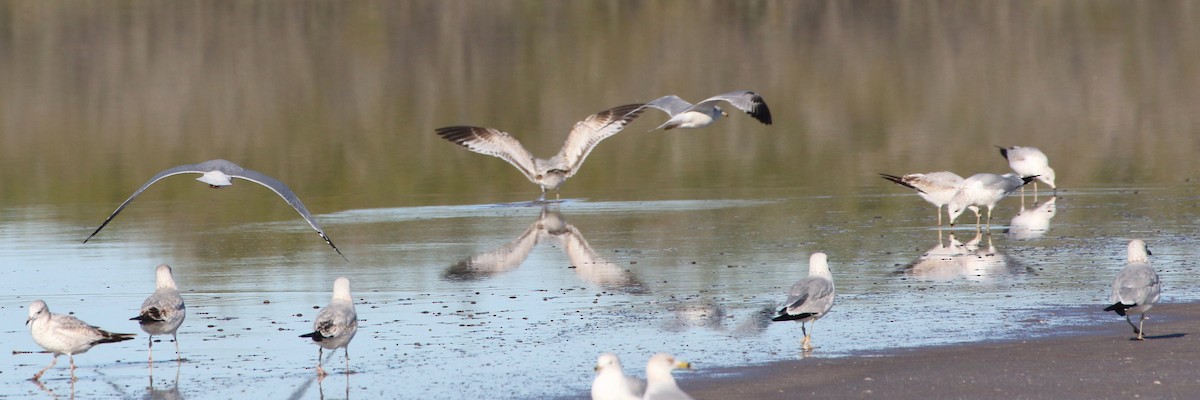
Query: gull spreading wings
x=217 y=174
x=704 y=113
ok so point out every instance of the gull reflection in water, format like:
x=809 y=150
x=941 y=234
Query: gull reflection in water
x=550 y=227
x=169 y=393
x=1034 y=222
x=971 y=261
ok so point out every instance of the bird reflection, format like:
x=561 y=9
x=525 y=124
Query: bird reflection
x=1034 y=222
x=697 y=314
x=169 y=393
x=550 y=227
x=973 y=261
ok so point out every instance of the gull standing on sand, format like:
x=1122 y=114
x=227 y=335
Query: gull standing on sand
x=547 y=174
x=935 y=187
x=983 y=190
x=163 y=311
x=64 y=334
x=687 y=115
x=336 y=324
x=1029 y=161
x=660 y=385
x=810 y=298
x=1136 y=288
x=219 y=173
x=611 y=383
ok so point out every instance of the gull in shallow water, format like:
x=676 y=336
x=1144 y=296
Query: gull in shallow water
x=935 y=187
x=163 y=311
x=687 y=115
x=1136 y=288
x=660 y=385
x=983 y=190
x=336 y=324
x=218 y=174
x=611 y=383
x=547 y=174
x=810 y=298
x=1029 y=161
x=64 y=334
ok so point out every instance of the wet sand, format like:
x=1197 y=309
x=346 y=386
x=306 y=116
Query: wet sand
x=1095 y=362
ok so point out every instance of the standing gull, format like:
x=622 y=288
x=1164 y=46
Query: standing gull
x=547 y=174
x=611 y=383
x=935 y=187
x=219 y=173
x=1029 y=161
x=336 y=324
x=660 y=385
x=1136 y=288
x=163 y=311
x=810 y=298
x=65 y=334
x=983 y=190
x=687 y=115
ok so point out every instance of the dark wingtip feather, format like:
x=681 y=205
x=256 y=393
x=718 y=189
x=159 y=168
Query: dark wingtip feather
x=459 y=134
x=1118 y=308
x=316 y=336
x=899 y=181
x=1003 y=151
x=760 y=110
x=1026 y=179
x=784 y=316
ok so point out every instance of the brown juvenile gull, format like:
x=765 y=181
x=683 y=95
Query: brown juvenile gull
x=64 y=334
x=935 y=187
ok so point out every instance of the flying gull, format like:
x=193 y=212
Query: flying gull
x=687 y=115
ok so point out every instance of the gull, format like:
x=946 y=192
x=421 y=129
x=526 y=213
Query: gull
x=983 y=190
x=810 y=298
x=1033 y=223
x=547 y=174
x=687 y=115
x=336 y=324
x=219 y=173
x=611 y=383
x=1136 y=288
x=163 y=311
x=935 y=187
x=64 y=334
x=660 y=385
x=1029 y=161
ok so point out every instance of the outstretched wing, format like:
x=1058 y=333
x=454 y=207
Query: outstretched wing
x=499 y=260
x=671 y=104
x=744 y=100
x=182 y=169
x=492 y=142
x=290 y=197
x=588 y=133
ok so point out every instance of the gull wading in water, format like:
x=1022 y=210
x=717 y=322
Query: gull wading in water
x=336 y=324
x=983 y=190
x=660 y=385
x=935 y=187
x=64 y=334
x=611 y=383
x=220 y=173
x=687 y=115
x=162 y=313
x=1136 y=288
x=547 y=174
x=1029 y=161
x=810 y=298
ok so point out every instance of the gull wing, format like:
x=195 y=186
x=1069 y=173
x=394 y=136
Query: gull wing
x=811 y=295
x=744 y=100
x=492 y=142
x=182 y=169
x=290 y=197
x=588 y=133
x=671 y=104
x=501 y=259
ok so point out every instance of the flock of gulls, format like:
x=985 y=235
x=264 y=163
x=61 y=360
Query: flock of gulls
x=1135 y=290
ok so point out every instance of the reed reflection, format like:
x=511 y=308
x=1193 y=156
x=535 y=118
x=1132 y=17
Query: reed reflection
x=973 y=260
x=550 y=227
x=1032 y=223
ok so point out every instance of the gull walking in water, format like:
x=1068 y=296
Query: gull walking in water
x=687 y=115
x=163 y=311
x=935 y=187
x=611 y=383
x=64 y=334
x=336 y=324
x=547 y=174
x=1136 y=288
x=810 y=298
x=1029 y=161
x=218 y=174
x=660 y=385
x=983 y=190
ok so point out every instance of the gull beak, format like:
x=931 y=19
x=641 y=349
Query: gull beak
x=28 y=320
x=683 y=365
x=724 y=114
x=596 y=368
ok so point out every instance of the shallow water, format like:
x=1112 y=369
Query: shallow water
x=667 y=241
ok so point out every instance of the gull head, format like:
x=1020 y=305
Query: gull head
x=1138 y=253
x=719 y=113
x=36 y=310
x=215 y=179
x=163 y=278
x=660 y=365
x=1047 y=176
x=608 y=361
x=341 y=289
x=552 y=179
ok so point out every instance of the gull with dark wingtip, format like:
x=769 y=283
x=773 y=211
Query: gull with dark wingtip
x=1029 y=161
x=335 y=325
x=218 y=174
x=1136 y=287
x=547 y=174
x=687 y=115
x=935 y=187
x=983 y=190
x=65 y=334
x=163 y=311
x=810 y=298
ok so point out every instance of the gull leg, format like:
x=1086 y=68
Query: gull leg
x=320 y=370
x=150 y=349
x=38 y=375
x=1135 y=328
x=939 y=214
x=178 y=355
x=72 y=358
x=347 y=349
x=1141 y=331
x=808 y=338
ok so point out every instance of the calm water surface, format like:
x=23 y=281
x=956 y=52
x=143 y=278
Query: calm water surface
x=681 y=242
